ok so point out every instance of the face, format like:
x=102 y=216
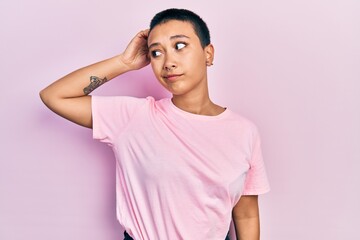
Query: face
x=177 y=58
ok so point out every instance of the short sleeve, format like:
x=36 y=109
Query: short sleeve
x=256 y=181
x=111 y=114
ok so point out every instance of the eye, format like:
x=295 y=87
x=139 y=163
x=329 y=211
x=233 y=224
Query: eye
x=155 y=53
x=180 y=45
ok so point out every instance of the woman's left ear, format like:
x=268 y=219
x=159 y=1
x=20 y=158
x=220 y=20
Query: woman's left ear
x=209 y=51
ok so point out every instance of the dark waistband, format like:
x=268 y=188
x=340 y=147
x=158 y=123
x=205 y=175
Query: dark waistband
x=128 y=237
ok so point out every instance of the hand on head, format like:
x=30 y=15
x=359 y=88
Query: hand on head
x=136 y=55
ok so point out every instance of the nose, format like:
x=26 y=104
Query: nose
x=169 y=63
x=169 y=68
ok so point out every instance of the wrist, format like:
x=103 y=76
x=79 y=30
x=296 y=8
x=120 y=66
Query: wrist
x=123 y=64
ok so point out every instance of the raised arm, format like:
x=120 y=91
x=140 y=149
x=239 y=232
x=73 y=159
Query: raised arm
x=69 y=96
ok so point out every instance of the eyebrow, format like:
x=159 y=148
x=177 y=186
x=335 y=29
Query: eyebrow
x=171 y=38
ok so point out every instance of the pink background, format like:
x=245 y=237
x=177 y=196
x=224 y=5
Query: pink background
x=292 y=67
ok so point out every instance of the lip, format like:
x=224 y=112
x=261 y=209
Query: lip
x=172 y=77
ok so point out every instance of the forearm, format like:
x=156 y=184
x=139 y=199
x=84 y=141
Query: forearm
x=84 y=80
x=247 y=228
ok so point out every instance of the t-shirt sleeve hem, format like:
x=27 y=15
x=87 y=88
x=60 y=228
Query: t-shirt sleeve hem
x=256 y=191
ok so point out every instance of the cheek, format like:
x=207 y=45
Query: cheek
x=196 y=63
x=156 y=67
x=195 y=59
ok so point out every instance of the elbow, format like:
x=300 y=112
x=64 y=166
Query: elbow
x=43 y=96
x=47 y=97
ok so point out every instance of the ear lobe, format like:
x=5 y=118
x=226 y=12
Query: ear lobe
x=209 y=51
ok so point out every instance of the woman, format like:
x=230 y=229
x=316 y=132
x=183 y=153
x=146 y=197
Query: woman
x=186 y=167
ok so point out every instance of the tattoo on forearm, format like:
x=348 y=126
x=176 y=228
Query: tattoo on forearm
x=95 y=82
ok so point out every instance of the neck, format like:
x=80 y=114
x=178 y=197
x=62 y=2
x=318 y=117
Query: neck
x=201 y=105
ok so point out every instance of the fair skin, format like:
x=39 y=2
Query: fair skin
x=180 y=63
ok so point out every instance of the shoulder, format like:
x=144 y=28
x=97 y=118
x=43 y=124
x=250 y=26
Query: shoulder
x=242 y=128
x=241 y=121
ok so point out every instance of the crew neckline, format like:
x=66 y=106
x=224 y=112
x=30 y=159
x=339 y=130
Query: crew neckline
x=194 y=115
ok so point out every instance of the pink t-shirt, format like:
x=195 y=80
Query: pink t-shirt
x=178 y=174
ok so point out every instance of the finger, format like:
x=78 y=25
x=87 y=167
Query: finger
x=144 y=33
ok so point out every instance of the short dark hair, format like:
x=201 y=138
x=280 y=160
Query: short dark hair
x=200 y=27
